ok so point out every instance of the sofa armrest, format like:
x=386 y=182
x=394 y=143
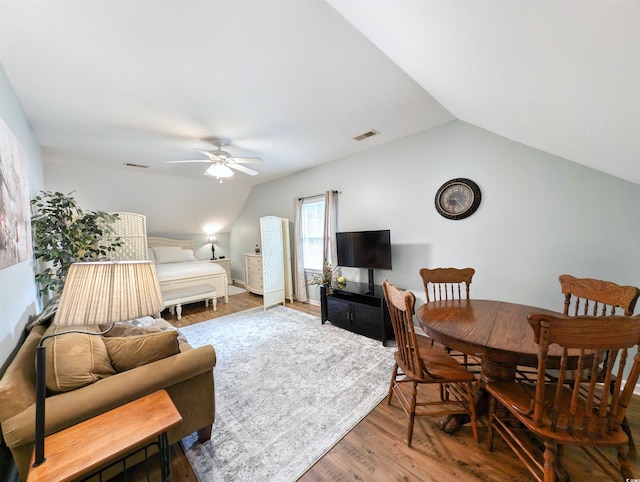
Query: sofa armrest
x=70 y=408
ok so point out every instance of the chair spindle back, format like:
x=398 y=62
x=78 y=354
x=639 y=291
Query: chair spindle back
x=589 y=338
x=401 y=305
x=447 y=283
x=586 y=296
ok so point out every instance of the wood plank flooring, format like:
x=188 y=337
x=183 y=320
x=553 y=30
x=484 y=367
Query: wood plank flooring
x=375 y=449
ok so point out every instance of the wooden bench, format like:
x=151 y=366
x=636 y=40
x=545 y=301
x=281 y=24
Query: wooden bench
x=175 y=298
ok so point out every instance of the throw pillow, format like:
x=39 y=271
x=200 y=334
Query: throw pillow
x=187 y=255
x=129 y=352
x=127 y=328
x=168 y=254
x=75 y=360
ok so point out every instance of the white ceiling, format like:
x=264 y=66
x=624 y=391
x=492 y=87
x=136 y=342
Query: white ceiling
x=145 y=82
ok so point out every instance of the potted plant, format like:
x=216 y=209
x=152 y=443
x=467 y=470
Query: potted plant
x=64 y=234
x=325 y=278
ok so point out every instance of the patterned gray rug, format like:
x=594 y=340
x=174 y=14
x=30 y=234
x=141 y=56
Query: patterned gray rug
x=287 y=389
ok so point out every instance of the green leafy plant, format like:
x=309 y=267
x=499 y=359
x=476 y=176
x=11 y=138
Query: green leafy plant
x=327 y=276
x=64 y=234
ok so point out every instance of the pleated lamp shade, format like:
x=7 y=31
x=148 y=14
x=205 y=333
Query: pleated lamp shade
x=107 y=292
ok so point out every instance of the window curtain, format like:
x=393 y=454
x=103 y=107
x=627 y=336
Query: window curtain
x=299 y=283
x=330 y=228
x=329 y=246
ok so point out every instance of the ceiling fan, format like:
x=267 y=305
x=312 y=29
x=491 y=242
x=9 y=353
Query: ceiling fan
x=221 y=161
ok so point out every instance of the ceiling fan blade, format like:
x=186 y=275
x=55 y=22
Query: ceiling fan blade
x=240 y=168
x=191 y=160
x=245 y=160
x=210 y=155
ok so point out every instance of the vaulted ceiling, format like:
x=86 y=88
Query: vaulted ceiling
x=145 y=82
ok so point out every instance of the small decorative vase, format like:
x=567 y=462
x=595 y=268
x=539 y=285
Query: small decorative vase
x=257 y=249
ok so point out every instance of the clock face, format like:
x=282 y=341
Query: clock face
x=458 y=198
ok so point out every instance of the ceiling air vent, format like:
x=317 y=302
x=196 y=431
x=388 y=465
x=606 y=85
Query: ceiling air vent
x=130 y=164
x=367 y=134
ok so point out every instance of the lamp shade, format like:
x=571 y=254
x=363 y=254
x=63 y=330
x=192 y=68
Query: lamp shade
x=213 y=239
x=107 y=292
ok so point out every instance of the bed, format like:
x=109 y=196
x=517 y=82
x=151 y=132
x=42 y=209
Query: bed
x=177 y=268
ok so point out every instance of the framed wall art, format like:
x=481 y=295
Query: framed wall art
x=15 y=207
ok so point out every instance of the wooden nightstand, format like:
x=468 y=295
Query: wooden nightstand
x=108 y=437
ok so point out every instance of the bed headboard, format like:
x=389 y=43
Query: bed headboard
x=154 y=242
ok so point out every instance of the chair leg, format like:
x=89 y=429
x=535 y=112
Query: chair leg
x=625 y=427
x=492 y=411
x=412 y=414
x=394 y=375
x=549 y=457
x=625 y=464
x=472 y=412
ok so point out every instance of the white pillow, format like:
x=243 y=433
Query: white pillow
x=168 y=254
x=151 y=255
x=187 y=255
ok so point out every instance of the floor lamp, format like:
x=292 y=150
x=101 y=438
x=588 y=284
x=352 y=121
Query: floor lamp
x=94 y=294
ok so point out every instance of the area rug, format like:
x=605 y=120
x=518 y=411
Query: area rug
x=287 y=389
x=235 y=290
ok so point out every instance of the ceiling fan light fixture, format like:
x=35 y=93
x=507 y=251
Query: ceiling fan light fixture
x=221 y=154
x=219 y=170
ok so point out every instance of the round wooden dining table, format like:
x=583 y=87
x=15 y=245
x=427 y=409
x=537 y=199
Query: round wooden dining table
x=497 y=332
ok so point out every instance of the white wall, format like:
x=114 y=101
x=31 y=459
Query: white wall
x=172 y=205
x=18 y=290
x=540 y=216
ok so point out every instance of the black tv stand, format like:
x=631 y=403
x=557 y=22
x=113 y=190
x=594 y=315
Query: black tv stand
x=371 y=283
x=357 y=307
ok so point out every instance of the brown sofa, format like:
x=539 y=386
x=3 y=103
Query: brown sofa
x=187 y=376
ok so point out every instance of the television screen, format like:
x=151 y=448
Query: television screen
x=364 y=249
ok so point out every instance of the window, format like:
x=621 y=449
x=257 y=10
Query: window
x=313 y=232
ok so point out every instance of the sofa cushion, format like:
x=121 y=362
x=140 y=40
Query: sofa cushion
x=129 y=352
x=75 y=360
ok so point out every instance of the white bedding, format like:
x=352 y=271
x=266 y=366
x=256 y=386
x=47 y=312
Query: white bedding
x=187 y=269
x=174 y=275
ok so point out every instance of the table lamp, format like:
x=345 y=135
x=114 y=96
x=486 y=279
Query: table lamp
x=97 y=293
x=213 y=239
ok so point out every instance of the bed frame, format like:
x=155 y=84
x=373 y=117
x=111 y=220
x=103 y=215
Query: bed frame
x=217 y=280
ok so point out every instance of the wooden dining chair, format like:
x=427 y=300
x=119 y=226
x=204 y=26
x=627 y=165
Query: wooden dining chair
x=587 y=296
x=447 y=283
x=554 y=412
x=450 y=284
x=419 y=363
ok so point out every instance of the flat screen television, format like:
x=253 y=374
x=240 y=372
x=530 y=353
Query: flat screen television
x=364 y=249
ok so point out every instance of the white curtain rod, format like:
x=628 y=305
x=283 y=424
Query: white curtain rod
x=318 y=195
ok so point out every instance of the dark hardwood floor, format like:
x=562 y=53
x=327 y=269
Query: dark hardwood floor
x=375 y=450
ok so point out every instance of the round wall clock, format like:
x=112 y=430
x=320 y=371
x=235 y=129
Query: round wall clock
x=458 y=198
